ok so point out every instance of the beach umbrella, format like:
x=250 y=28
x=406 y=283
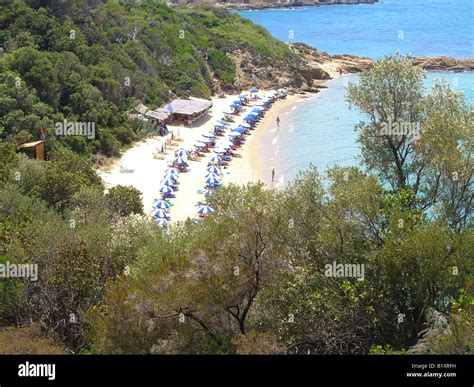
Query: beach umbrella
x=249 y=118
x=234 y=105
x=206 y=192
x=168 y=182
x=171 y=175
x=172 y=178
x=172 y=170
x=219 y=125
x=235 y=134
x=204 y=140
x=166 y=189
x=237 y=102
x=243 y=95
x=204 y=210
x=179 y=160
x=213 y=169
x=202 y=145
x=159 y=214
x=239 y=129
x=183 y=152
x=255 y=90
x=255 y=114
x=219 y=150
x=256 y=110
x=245 y=125
x=209 y=135
x=212 y=174
x=215 y=159
x=162 y=222
x=161 y=204
x=212 y=180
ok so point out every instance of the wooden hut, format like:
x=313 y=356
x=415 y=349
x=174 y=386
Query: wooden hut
x=34 y=150
x=187 y=110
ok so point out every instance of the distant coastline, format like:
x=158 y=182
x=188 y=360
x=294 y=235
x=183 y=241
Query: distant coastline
x=269 y=4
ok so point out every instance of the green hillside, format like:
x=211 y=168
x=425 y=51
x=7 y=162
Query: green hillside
x=90 y=61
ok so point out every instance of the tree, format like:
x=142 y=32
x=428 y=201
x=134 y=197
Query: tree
x=417 y=142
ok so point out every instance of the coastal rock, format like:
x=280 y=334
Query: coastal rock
x=445 y=63
x=264 y=4
x=295 y=73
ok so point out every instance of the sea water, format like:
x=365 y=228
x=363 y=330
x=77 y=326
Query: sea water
x=320 y=130
x=416 y=27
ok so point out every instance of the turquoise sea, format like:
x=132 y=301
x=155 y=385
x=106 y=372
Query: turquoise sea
x=321 y=129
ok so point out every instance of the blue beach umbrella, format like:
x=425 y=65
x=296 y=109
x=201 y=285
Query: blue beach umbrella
x=159 y=214
x=255 y=90
x=212 y=174
x=234 y=105
x=161 y=204
x=237 y=101
x=183 y=152
x=212 y=180
x=249 y=118
x=239 y=129
x=179 y=160
x=213 y=169
x=171 y=175
x=172 y=170
x=235 y=134
x=166 y=189
x=168 y=182
x=162 y=222
x=215 y=159
x=205 y=210
x=206 y=192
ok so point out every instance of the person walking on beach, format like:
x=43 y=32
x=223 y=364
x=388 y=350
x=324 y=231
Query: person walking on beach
x=278 y=121
x=273 y=174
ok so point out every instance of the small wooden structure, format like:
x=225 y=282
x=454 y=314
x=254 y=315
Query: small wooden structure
x=158 y=116
x=187 y=110
x=34 y=150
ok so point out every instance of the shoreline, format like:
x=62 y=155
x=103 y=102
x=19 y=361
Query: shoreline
x=143 y=165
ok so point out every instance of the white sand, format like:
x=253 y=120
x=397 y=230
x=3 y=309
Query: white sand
x=148 y=171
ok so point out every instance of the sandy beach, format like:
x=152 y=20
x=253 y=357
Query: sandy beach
x=143 y=166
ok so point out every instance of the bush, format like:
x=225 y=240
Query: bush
x=124 y=200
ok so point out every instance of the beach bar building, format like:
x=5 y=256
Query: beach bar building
x=187 y=111
x=34 y=150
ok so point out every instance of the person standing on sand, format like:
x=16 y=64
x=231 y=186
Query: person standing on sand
x=278 y=121
x=273 y=174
